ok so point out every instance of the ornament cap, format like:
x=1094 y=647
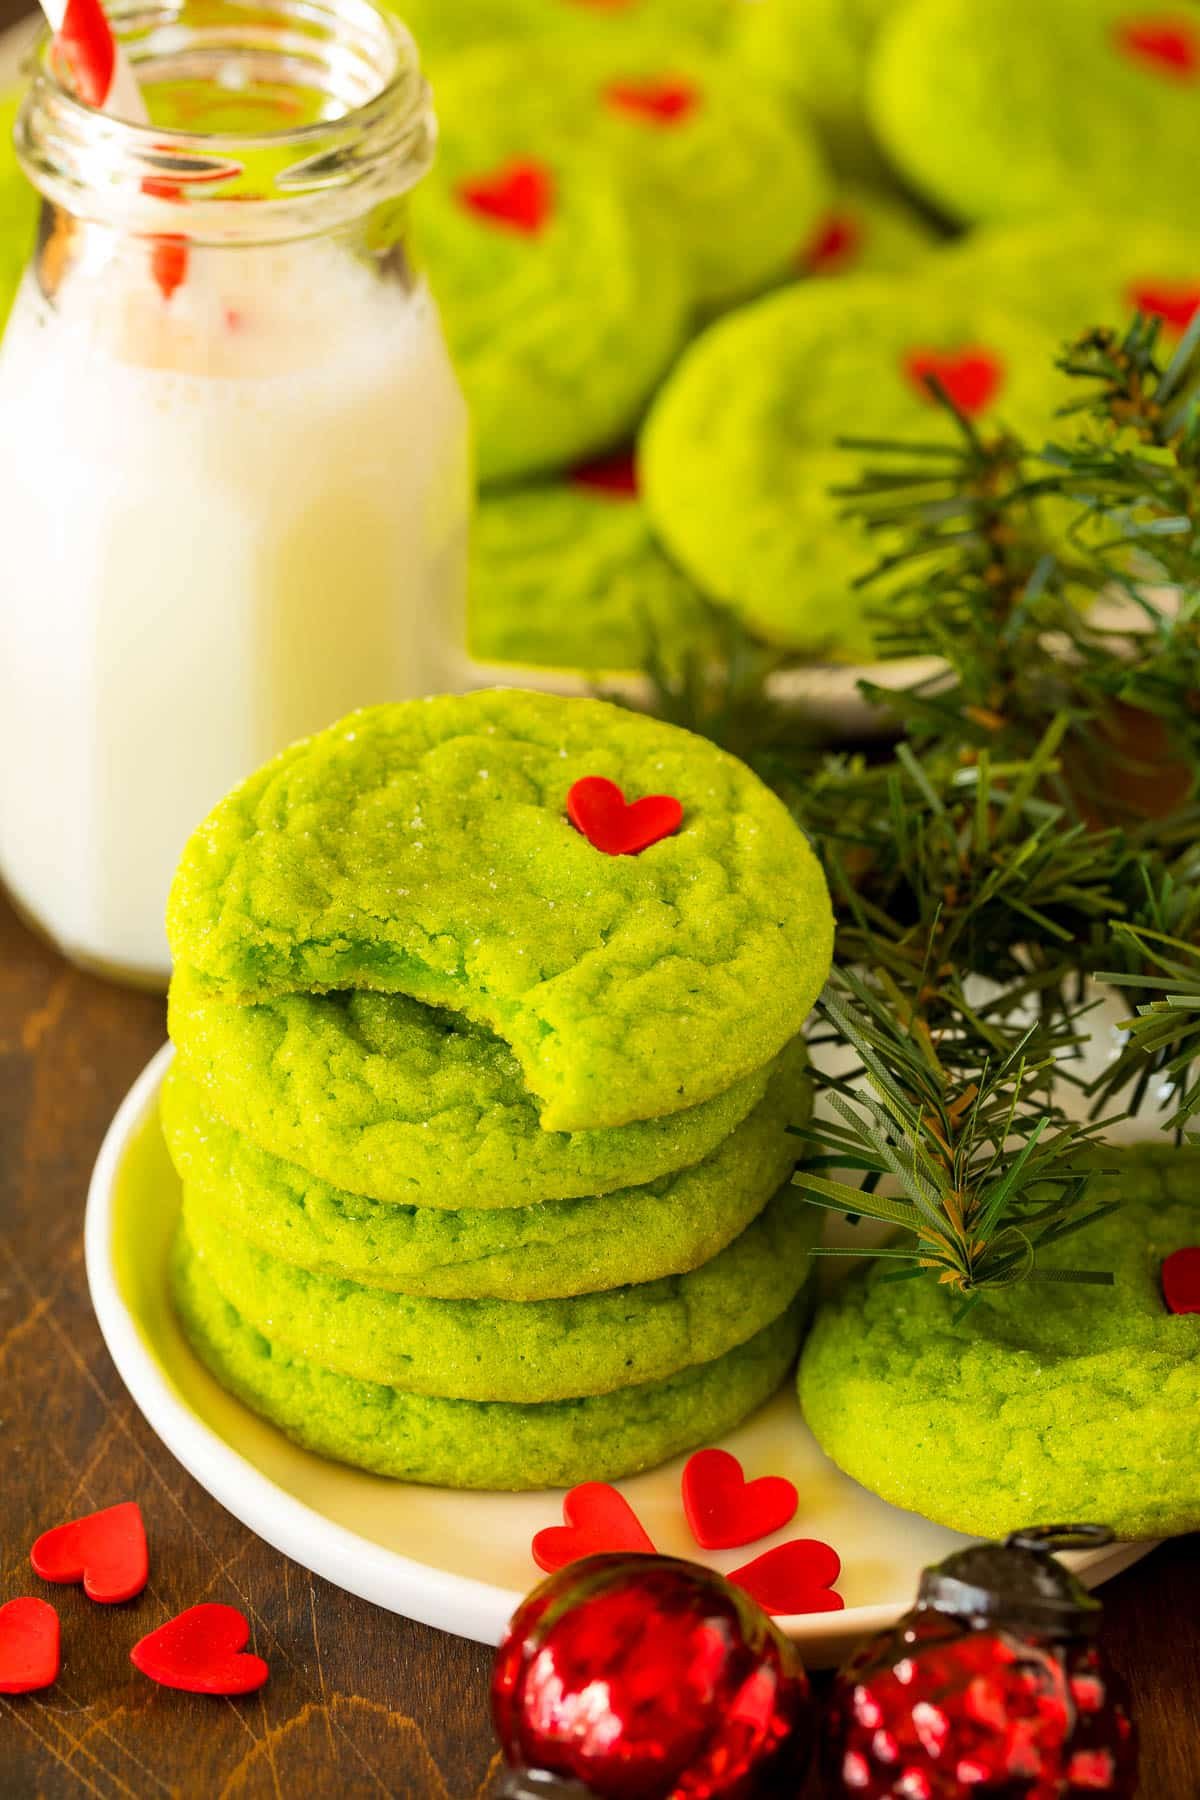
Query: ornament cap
x=539 y=1784
x=1019 y=1583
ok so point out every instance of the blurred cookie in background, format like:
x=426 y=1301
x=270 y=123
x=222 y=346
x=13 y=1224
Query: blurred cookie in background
x=1019 y=109
x=567 y=575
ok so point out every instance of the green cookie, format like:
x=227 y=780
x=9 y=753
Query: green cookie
x=719 y=168
x=1072 y=274
x=1044 y=1403
x=570 y=577
x=817 y=51
x=739 y=454
x=1017 y=109
x=425 y=848
x=18 y=206
x=517 y=1350
x=445 y=27
x=867 y=231
x=561 y=311
x=407 y=1104
x=527 y=1253
x=472 y=1444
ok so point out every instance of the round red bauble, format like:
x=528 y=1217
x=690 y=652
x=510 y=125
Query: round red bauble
x=993 y=1686
x=644 y=1678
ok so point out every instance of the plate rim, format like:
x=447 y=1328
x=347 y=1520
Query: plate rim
x=436 y=1597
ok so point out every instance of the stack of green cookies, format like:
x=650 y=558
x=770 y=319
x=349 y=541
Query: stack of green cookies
x=482 y=1129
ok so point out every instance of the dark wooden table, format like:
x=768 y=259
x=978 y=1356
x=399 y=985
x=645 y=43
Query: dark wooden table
x=359 y=1702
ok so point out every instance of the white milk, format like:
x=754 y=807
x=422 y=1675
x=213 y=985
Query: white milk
x=225 y=520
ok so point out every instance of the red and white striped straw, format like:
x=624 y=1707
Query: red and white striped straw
x=100 y=70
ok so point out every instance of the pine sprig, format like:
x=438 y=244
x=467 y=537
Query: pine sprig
x=987 y=1166
x=1037 y=821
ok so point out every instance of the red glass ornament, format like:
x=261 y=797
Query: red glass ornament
x=992 y=1686
x=644 y=1678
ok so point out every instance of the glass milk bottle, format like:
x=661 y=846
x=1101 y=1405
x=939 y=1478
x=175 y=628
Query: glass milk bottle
x=233 y=461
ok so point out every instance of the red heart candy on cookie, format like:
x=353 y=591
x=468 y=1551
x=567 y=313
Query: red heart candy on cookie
x=520 y=196
x=1175 y=303
x=1181 y=1280
x=661 y=102
x=609 y=822
x=834 y=245
x=597 y=1519
x=971 y=378
x=1167 y=45
x=614 y=475
x=29 y=1646
x=105 y=1550
x=795 y=1578
x=725 y=1510
x=200 y=1652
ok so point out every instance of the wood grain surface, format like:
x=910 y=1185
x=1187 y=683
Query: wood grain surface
x=360 y=1703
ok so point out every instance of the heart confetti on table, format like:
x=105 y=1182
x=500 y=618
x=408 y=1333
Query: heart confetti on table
x=796 y=1577
x=1175 y=303
x=29 y=1646
x=1181 y=1280
x=597 y=1518
x=1166 y=45
x=666 y=101
x=520 y=196
x=105 y=1550
x=202 y=1651
x=725 y=1510
x=970 y=378
x=598 y=808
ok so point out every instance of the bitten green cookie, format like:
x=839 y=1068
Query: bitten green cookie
x=528 y=1253
x=817 y=52
x=425 y=848
x=471 y=1444
x=517 y=1350
x=1073 y=274
x=1017 y=109
x=718 y=167
x=561 y=311
x=569 y=576
x=1044 y=1402
x=408 y=1104
x=739 y=454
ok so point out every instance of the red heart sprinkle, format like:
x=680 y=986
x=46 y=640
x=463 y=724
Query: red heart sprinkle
x=663 y=101
x=199 y=1651
x=1168 y=45
x=724 y=1509
x=105 y=1550
x=1175 y=303
x=520 y=196
x=616 y=475
x=86 y=41
x=834 y=245
x=1181 y=1280
x=597 y=1519
x=971 y=378
x=794 y=1578
x=598 y=808
x=29 y=1646
x=169 y=264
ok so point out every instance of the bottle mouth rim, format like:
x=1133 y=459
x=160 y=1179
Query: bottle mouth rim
x=375 y=141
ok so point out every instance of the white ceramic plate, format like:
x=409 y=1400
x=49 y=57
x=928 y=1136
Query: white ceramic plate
x=455 y=1560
